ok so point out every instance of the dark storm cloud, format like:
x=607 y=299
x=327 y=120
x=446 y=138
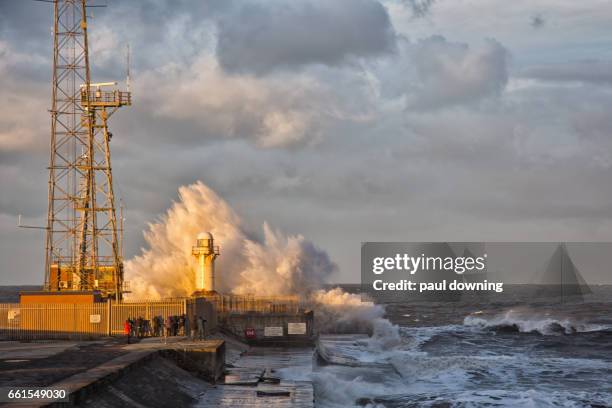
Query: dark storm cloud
x=28 y=22
x=261 y=37
x=594 y=71
x=420 y=8
x=537 y=21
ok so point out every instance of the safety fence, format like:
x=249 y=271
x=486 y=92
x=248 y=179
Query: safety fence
x=91 y=320
x=145 y=309
x=243 y=304
x=79 y=321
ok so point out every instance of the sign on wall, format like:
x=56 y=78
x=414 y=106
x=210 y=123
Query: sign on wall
x=13 y=314
x=95 y=318
x=249 y=333
x=296 y=328
x=273 y=331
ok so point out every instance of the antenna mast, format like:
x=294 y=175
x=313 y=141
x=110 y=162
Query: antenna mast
x=82 y=248
x=127 y=80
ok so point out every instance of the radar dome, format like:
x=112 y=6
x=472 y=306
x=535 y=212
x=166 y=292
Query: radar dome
x=205 y=235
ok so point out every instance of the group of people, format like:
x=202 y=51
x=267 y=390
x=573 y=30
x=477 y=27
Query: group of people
x=170 y=326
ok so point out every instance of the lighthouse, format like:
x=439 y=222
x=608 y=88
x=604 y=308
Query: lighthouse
x=205 y=252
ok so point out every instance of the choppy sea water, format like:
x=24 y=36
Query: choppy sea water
x=514 y=350
x=511 y=351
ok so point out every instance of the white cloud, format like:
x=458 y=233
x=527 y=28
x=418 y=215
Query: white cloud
x=282 y=111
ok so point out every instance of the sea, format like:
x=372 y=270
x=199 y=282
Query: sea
x=10 y=293
x=515 y=350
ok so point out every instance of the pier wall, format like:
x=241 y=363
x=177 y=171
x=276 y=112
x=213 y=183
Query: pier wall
x=206 y=361
x=270 y=328
x=205 y=309
x=148 y=377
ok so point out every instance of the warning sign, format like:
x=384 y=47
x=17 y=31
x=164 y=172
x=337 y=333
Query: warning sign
x=273 y=331
x=296 y=328
x=249 y=333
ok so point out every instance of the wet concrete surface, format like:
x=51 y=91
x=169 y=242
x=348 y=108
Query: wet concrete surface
x=10 y=350
x=40 y=364
x=158 y=383
x=265 y=377
x=43 y=363
x=136 y=375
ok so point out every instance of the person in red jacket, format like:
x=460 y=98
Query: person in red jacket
x=127 y=329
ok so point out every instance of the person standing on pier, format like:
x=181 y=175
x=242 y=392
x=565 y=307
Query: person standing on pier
x=193 y=325
x=201 y=322
x=168 y=328
x=174 y=325
x=182 y=325
x=155 y=326
x=138 y=325
x=127 y=329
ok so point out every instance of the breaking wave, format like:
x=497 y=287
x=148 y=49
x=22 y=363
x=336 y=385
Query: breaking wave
x=341 y=312
x=518 y=321
x=276 y=264
x=453 y=365
x=426 y=373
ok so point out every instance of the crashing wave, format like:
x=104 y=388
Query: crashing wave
x=513 y=321
x=332 y=353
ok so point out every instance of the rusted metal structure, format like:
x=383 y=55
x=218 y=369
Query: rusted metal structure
x=83 y=248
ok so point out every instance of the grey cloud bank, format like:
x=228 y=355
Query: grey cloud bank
x=261 y=37
x=452 y=73
x=595 y=71
x=344 y=123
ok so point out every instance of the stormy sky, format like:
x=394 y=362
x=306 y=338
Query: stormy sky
x=342 y=120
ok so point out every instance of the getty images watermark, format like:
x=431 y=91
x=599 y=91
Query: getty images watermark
x=412 y=264
x=395 y=271
x=426 y=267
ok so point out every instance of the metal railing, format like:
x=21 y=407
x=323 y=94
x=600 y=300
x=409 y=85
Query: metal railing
x=146 y=309
x=91 y=320
x=241 y=304
x=107 y=98
x=53 y=321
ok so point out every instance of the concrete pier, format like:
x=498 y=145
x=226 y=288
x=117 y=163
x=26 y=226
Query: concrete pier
x=157 y=373
x=271 y=329
x=103 y=373
x=264 y=377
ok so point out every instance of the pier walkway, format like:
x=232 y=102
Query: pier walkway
x=153 y=373
x=265 y=377
x=96 y=373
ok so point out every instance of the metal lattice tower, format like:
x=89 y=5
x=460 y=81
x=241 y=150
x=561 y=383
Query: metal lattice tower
x=82 y=248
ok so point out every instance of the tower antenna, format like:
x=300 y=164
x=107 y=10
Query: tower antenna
x=82 y=245
x=127 y=81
